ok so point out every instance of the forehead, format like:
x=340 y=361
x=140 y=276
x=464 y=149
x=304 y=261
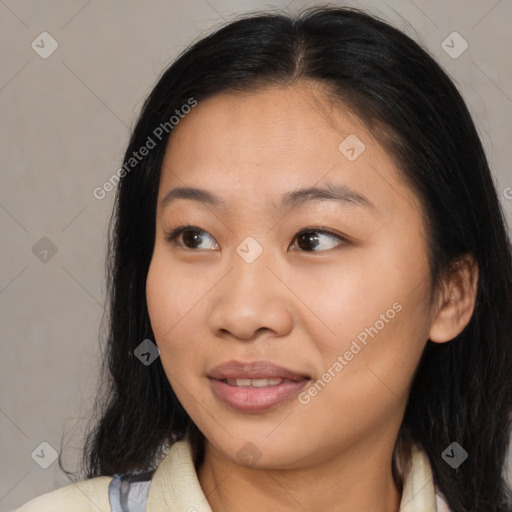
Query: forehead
x=283 y=120
x=268 y=142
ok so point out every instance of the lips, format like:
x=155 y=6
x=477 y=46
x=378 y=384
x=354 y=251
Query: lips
x=255 y=387
x=233 y=370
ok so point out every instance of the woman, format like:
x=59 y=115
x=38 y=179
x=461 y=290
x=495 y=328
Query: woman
x=310 y=285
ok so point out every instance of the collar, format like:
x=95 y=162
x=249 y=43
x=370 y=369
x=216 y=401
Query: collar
x=175 y=486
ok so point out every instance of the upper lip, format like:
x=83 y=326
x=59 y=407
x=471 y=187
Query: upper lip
x=253 y=370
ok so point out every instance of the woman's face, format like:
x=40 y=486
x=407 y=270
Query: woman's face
x=343 y=305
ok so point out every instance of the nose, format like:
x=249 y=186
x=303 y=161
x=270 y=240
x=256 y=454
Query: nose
x=250 y=299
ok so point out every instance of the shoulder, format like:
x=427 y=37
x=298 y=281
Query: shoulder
x=86 y=496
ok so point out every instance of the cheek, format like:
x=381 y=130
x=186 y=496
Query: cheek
x=173 y=305
x=373 y=310
x=369 y=380
x=169 y=296
x=166 y=307
x=347 y=296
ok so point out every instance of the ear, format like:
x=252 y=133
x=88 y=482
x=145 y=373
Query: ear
x=456 y=301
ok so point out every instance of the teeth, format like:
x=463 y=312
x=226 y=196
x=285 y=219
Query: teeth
x=262 y=383
x=255 y=383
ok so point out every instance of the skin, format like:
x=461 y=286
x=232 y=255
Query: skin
x=297 y=306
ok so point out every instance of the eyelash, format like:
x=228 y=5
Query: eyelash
x=170 y=237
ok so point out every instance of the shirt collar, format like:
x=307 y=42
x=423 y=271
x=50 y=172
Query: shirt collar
x=175 y=486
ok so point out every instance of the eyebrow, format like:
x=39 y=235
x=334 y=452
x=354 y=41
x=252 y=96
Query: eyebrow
x=329 y=192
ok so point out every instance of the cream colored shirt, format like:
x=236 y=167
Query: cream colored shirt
x=175 y=488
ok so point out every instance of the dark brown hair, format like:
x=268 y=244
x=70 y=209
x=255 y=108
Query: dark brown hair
x=462 y=390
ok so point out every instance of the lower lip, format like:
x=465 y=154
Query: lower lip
x=249 y=399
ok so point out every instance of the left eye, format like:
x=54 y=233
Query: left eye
x=312 y=238
x=308 y=240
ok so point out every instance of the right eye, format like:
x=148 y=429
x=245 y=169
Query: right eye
x=192 y=237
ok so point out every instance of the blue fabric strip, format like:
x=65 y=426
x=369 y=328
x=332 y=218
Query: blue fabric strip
x=129 y=493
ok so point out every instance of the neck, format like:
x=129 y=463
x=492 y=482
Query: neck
x=359 y=479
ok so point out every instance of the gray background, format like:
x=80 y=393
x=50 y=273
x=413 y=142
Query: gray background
x=65 y=124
